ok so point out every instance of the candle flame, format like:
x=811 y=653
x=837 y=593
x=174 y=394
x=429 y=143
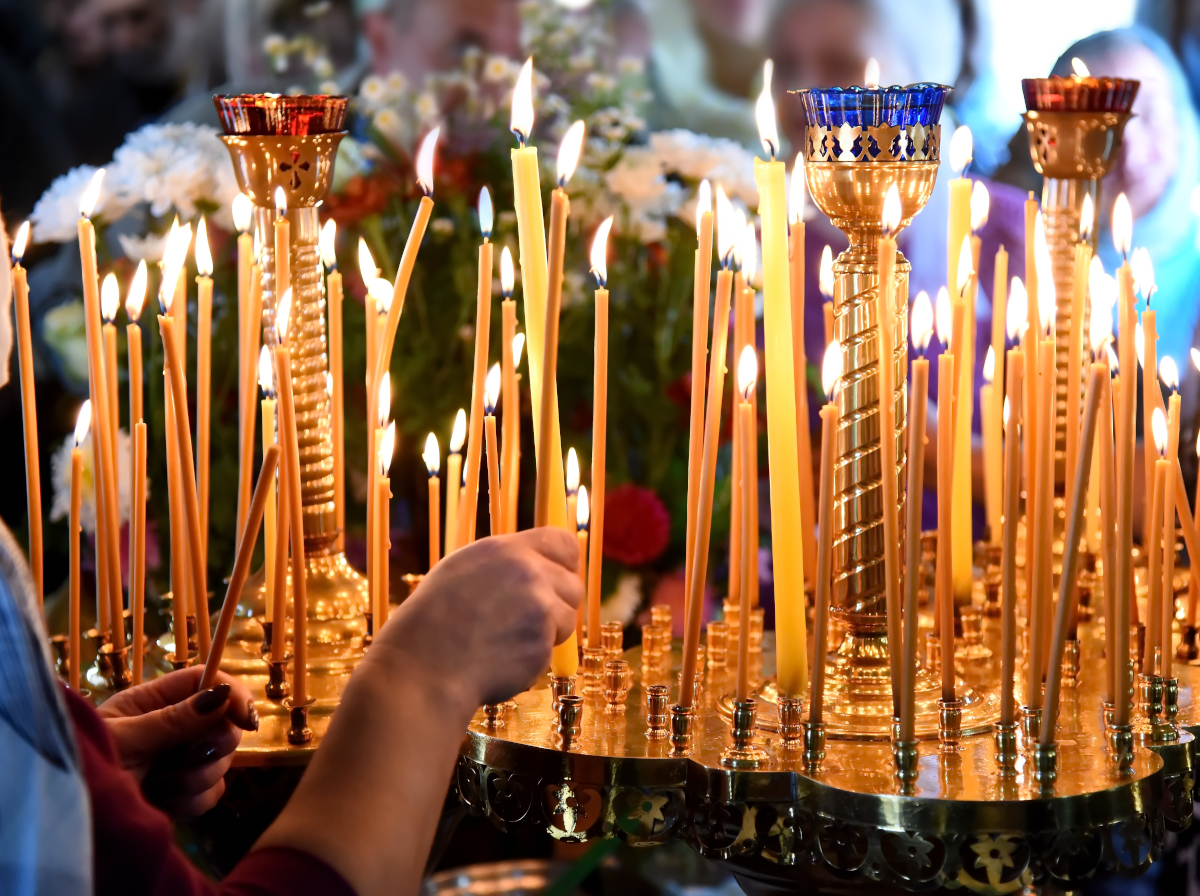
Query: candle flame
x=110 y=297
x=1168 y=372
x=966 y=266
x=1122 y=226
x=831 y=369
x=764 y=113
x=83 y=422
x=583 y=510
x=507 y=274
x=204 y=262
x=491 y=390
x=749 y=254
x=796 y=191
x=518 y=345
x=922 y=321
x=328 y=243
x=329 y=384
x=600 y=252
x=981 y=203
x=989 y=365
x=486 y=214
x=1017 y=318
x=703 y=201
x=387 y=448
x=280 y=202
x=747 y=372
x=1198 y=444
x=871 y=73
x=1143 y=273
x=1005 y=411
x=1087 y=219
x=962 y=149
x=891 y=211
x=425 y=161
x=1079 y=67
x=383 y=407
x=521 y=118
x=1139 y=344
x=20 y=242
x=572 y=472
x=174 y=255
x=242 y=209
x=136 y=297
x=944 y=317
x=91 y=195
x=366 y=262
x=432 y=455
x=1114 y=363
x=1195 y=358
x=381 y=290
x=727 y=229
x=266 y=373
x=825 y=273
x=1158 y=423
x=569 y=151
x=283 y=314
x=458 y=435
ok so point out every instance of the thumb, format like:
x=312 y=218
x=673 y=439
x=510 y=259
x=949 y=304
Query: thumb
x=143 y=737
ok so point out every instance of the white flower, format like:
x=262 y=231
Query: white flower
x=631 y=65
x=426 y=106
x=56 y=212
x=496 y=68
x=322 y=67
x=396 y=84
x=60 y=474
x=274 y=44
x=623 y=605
x=388 y=123
x=148 y=248
x=601 y=82
x=63 y=329
x=373 y=91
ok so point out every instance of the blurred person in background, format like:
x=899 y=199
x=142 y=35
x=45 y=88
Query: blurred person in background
x=420 y=37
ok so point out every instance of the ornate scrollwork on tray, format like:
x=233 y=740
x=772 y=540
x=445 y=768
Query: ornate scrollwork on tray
x=876 y=143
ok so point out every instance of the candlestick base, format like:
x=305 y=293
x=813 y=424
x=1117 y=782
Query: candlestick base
x=657 y=696
x=814 y=745
x=718 y=645
x=1045 y=765
x=1187 y=652
x=593 y=666
x=277 y=684
x=1031 y=727
x=970 y=648
x=117 y=674
x=1137 y=643
x=612 y=640
x=743 y=754
x=299 y=732
x=905 y=754
x=569 y=712
x=1154 y=727
x=697 y=686
x=791 y=723
x=1171 y=700
x=1070 y=663
x=950 y=713
x=617 y=678
x=369 y=637
x=493 y=714
x=268 y=629
x=1005 y=738
x=1120 y=745
x=560 y=686
x=682 y=719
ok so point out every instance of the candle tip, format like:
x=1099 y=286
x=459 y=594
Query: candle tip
x=1080 y=67
x=491 y=390
x=432 y=455
x=890 y=219
x=944 y=317
x=583 y=510
x=83 y=422
x=825 y=273
x=703 y=201
x=1122 y=226
x=764 y=113
x=966 y=266
x=1168 y=372
x=569 y=151
x=366 y=263
x=507 y=273
x=486 y=216
x=518 y=345
x=1018 y=310
x=962 y=149
x=1087 y=218
x=425 y=161
x=328 y=245
x=747 y=372
x=20 y=242
x=1143 y=273
x=242 y=209
x=135 y=299
x=280 y=201
x=110 y=297
x=989 y=365
x=387 y=448
x=458 y=435
x=922 y=322
x=831 y=369
x=381 y=290
x=871 y=73
x=521 y=116
x=91 y=195
x=266 y=373
x=600 y=252
x=1195 y=358
x=1158 y=424
x=204 y=262
x=981 y=203
x=572 y=472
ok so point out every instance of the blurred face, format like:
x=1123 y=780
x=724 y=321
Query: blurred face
x=743 y=21
x=132 y=26
x=440 y=32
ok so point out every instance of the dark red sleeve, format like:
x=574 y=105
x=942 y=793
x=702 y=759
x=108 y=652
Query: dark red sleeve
x=134 y=843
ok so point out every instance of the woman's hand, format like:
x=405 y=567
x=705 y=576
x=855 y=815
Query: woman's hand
x=179 y=743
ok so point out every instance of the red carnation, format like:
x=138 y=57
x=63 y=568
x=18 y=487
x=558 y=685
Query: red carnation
x=636 y=525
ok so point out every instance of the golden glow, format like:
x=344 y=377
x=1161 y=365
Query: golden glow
x=491 y=389
x=1139 y=344
x=458 y=435
x=796 y=191
x=764 y=113
x=728 y=231
x=1168 y=372
x=989 y=366
x=329 y=384
x=944 y=315
x=1080 y=69
x=1114 y=364
x=1158 y=423
x=83 y=422
x=136 y=297
x=981 y=202
x=1143 y=272
x=1017 y=319
x=381 y=291
x=871 y=73
x=583 y=509
x=747 y=372
x=1087 y=218
x=831 y=369
x=922 y=321
x=966 y=265
x=204 y=262
x=87 y=202
x=243 y=209
x=891 y=211
x=1195 y=359
x=425 y=161
x=280 y=202
x=518 y=347
x=749 y=254
x=283 y=315
x=520 y=121
x=110 y=297
x=366 y=262
x=20 y=242
x=174 y=255
x=825 y=273
x=599 y=252
x=507 y=274
x=962 y=148
x=384 y=407
x=572 y=472
x=703 y=201
x=486 y=214
x=1122 y=225
x=432 y=455
x=328 y=244
x=387 y=448
x=569 y=151
x=266 y=373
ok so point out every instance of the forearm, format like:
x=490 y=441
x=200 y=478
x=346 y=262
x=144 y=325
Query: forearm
x=399 y=731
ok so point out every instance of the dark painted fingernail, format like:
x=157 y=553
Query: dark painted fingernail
x=202 y=754
x=252 y=716
x=211 y=700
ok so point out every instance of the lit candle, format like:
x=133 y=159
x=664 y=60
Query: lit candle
x=1075 y=346
x=701 y=286
x=583 y=510
x=945 y=468
x=1100 y=326
x=137 y=548
x=248 y=386
x=572 y=471
x=376 y=525
x=275 y=608
x=747 y=377
x=511 y=422
x=512 y=482
x=808 y=532
x=1171 y=378
x=295 y=508
x=134 y=300
x=454 y=471
x=825 y=285
x=1122 y=233
x=1012 y=510
x=369 y=274
x=743 y=314
x=726 y=238
x=1155 y=640
x=483 y=323
x=283 y=245
x=790 y=636
x=383 y=536
x=243 y=211
x=1033 y=227
x=172 y=262
x=204 y=288
x=379 y=297
x=595 y=558
x=1148 y=356
x=999 y=322
x=82 y=423
x=992 y=450
x=1108 y=508
x=33 y=476
x=1194 y=576
x=110 y=301
x=491 y=397
x=831 y=372
x=433 y=463
x=964 y=402
x=749 y=294
x=337 y=406
x=1039 y=604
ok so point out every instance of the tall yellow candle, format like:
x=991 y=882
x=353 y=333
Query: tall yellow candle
x=1122 y=235
x=945 y=468
x=1012 y=508
x=747 y=376
x=808 y=534
x=957 y=257
x=33 y=475
x=1168 y=535
x=999 y=320
x=1075 y=348
x=992 y=451
x=110 y=301
x=788 y=558
x=831 y=371
x=243 y=211
x=82 y=423
x=454 y=478
x=433 y=463
x=701 y=288
x=333 y=291
x=737 y=471
x=137 y=548
x=1151 y=396
x=134 y=301
x=491 y=397
x=383 y=538
x=247 y=386
x=204 y=288
x=511 y=422
x=595 y=558
x=512 y=479
x=266 y=380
